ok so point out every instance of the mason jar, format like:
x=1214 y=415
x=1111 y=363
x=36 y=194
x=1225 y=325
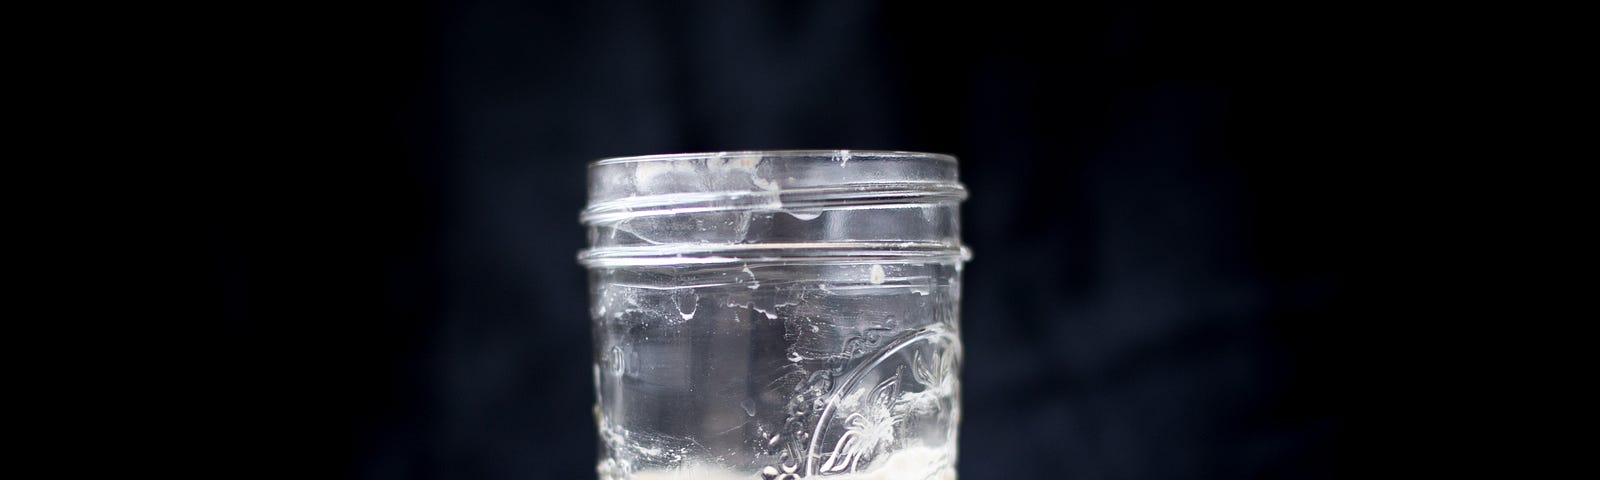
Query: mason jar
x=776 y=314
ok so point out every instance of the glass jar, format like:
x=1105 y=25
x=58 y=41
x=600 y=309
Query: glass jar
x=776 y=315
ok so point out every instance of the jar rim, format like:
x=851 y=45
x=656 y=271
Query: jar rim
x=759 y=179
x=658 y=157
x=687 y=208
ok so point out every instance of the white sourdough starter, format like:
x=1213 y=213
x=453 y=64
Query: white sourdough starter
x=914 y=463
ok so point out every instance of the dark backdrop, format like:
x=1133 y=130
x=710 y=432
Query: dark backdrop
x=1164 y=214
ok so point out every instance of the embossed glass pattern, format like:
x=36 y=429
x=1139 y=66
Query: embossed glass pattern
x=776 y=315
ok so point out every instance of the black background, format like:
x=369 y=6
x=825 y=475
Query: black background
x=1168 y=218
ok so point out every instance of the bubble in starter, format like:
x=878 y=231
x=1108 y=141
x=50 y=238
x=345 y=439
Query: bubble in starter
x=687 y=302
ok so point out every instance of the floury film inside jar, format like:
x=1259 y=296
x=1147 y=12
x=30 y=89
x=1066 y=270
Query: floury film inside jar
x=776 y=315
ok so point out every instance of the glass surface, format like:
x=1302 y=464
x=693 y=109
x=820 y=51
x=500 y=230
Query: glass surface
x=776 y=315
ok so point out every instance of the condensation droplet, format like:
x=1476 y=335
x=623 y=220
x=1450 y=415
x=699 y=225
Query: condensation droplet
x=804 y=216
